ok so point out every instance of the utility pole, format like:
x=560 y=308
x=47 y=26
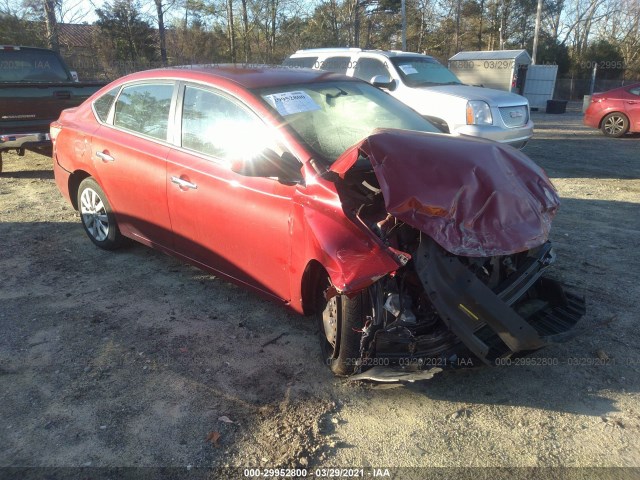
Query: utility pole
x=501 y=25
x=593 y=78
x=403 y=9
x=536 y=33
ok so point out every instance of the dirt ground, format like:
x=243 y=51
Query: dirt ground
x=133 y=359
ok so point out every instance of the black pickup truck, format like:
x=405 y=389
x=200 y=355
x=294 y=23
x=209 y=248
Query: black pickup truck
x=35 y=86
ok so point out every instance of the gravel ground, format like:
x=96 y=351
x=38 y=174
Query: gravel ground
x=133 y=359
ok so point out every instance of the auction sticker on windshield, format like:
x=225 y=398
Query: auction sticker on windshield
x=288 y=103
x=408 y=69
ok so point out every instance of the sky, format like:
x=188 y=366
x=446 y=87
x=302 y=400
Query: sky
x=80 y=11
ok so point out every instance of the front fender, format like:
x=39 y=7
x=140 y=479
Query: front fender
x=353 y=257
x=352 y=260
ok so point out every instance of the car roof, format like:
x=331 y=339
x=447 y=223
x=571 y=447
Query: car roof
x=386 y=53
x=250 y=76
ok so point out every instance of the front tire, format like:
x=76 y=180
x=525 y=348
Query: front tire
x=615 y=125
x=97 y=217
x=339 y=321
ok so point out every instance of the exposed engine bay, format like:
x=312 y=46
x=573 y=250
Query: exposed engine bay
x=441 y=307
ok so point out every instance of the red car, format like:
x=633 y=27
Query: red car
x=616 y=111
x=409 y=247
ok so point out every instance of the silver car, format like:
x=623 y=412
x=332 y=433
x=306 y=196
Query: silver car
x=431 y=89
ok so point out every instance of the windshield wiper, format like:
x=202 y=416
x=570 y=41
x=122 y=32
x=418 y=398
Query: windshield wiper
x=423 y=84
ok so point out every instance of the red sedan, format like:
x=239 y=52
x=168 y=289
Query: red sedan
x=409 y=247
x=616 y=111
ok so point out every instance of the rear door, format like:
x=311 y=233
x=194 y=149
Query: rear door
x=129 y=157
x=336 y=64
x=236 y=225
x=366 y=68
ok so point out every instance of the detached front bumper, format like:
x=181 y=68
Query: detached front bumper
x=521 y=315
x=20 y=141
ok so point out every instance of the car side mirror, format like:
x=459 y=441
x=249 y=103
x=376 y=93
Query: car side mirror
x=383 y=81
x=269 y=164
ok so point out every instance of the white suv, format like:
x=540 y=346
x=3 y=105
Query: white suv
x=428 y=87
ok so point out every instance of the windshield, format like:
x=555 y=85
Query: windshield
x=31 y=65
x=332 y=116
x=423 y=71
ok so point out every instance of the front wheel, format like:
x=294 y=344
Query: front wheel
x=98 y=219
x=340 y=321
x=615 y=125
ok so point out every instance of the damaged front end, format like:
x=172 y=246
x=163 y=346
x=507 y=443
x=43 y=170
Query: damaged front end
x=473 y=217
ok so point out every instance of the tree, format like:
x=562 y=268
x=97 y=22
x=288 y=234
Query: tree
x=550 y=52
x=606 y=56
x=52 y=24
x=623 y=30
x=128 y=36
x=161 y=9
x=16 y=29
x=246 y=45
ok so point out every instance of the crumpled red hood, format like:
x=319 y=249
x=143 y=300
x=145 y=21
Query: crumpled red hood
x=473 y=197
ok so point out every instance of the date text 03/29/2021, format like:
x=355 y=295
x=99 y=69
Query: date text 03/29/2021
x=318 y=472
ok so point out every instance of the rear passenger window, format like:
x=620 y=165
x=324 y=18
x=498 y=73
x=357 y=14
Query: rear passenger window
x=635 y=91
x=336 y=64
x=367 y=68
x=304 y=62
x=145 y=109
x=102 y=105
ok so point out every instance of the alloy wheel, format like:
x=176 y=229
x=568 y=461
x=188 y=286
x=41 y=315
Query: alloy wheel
x=614 y=125
x=94 y=214
x=330 y=321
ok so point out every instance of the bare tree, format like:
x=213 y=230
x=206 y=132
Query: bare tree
x=623 y=30
x=231 y=32
x=479 y=45
x=52 y=24
x=73 y=11
x=271 y=26
x=246 y=45
x=161 y=9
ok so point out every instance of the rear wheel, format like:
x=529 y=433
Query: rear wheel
x=339 y=320
x=615 y=125
x=98 y=219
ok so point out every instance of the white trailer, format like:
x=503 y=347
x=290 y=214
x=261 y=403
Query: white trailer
x=499 y=69
x=540 y=84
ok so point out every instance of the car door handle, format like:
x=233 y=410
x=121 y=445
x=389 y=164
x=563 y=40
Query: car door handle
x=183 y=183
x=104 y=156
x=632 y=102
